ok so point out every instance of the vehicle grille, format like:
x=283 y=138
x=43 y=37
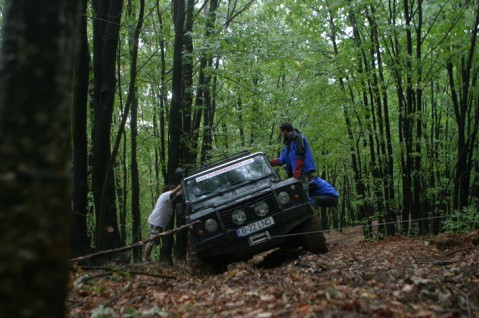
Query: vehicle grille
x=248 y=208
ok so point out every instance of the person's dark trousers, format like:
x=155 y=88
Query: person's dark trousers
x=167 y=244
x=325 y=200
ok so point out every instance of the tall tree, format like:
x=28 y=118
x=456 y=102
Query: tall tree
x=175 y=119
x=176 y=129
x=418 y=177
x=106 y=28
x=38 y=50
x=204 y=98
x=133 y=100
x=359 y=178
x=80 y=237
x=161 y=113
x=464 y=101
x=384 y=188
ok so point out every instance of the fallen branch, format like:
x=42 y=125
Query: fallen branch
x=132 y=246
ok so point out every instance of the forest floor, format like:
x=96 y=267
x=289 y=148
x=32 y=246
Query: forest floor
x=396 y=277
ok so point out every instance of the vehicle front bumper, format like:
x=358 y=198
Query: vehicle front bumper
x=231 y=245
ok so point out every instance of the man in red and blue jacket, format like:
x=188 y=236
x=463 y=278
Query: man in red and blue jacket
x=296 y=155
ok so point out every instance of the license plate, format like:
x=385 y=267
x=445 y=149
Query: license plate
x=255 y=227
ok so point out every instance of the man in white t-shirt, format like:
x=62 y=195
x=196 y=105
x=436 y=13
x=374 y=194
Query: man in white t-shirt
x=160 y=216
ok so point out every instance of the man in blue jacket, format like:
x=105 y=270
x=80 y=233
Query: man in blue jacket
x=296 y=155
x=322 y=194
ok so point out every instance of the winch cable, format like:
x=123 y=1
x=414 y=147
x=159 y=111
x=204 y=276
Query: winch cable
x=360 y=226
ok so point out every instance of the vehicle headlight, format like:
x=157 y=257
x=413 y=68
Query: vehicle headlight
x=239 y=217
x=211 y=225
x=283 y=197
x=261 y=209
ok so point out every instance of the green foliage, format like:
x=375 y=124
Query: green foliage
x=299 y=60
x=463 y=222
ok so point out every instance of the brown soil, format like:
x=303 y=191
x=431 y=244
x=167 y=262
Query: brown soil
x=396 y=277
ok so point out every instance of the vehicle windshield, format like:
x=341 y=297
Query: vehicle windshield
x=227 y=177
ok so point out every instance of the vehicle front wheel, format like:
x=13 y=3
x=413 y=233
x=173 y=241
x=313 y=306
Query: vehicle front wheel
x=203 y=266
x=310 y=236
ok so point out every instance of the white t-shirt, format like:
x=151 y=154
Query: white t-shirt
x=163 y=210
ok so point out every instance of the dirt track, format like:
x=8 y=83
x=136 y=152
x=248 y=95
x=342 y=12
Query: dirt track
x=397 y=277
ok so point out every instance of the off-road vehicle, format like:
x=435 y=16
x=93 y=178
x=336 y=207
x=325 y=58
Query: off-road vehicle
x=242 y=208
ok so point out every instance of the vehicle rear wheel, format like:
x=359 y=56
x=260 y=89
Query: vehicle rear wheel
x=311 y=238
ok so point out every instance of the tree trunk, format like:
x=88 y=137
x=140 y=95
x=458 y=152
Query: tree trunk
x=105 y=42
x=189 y=152
x=419 y=197
x=38 y=52
x=385 y=192
x=365 y=209
x=175 y=120
x=135 y=182
x=132 y=103
x=160 y=114
x=176 y=144
x=461 y=99
x=80 y=241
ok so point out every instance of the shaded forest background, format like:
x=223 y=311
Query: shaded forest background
x=385 y=91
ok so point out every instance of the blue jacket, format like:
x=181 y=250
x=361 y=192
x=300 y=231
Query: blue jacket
x=297 y=147
x=320 y=187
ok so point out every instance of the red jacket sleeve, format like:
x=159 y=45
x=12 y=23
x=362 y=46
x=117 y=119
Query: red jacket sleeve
x=274 y=162
x=298 y=168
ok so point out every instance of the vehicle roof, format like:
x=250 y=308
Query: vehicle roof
x=221 y=163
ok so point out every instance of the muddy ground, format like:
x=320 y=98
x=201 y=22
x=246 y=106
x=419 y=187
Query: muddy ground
x=396 y=277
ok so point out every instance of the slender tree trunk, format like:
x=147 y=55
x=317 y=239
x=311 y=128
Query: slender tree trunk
x=361 y=188
x=355 y=155
x=418 y=179
x=160 y=108
x=187 y=145
x=383 y=141
x=176 y=129
x=133 y=101
x=406 y=122
x=175 y=120
x=80 y=242
x=203 y=104
x=377 y=133
x=462 y=104
x=135 y=182
x=208 y=96
x=123 y=187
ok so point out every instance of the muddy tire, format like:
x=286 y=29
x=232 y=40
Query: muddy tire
x=197 y=265
x=311 y=239
x=203 y=266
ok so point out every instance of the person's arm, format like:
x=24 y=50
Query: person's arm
x=298 y=168
x=175 y=192
x=280 y=160
x=300 y=155
x=274 y=162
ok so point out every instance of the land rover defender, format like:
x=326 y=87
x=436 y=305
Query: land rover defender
x=242 y=207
